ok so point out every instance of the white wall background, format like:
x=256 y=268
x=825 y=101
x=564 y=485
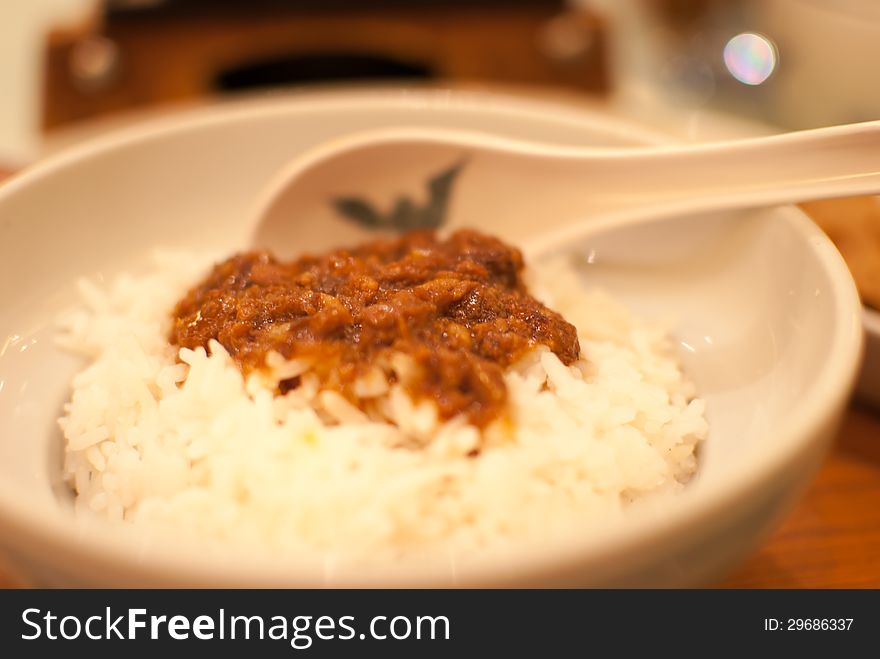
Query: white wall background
x=23 y=28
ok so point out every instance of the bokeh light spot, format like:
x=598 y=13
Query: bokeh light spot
x=750 y=58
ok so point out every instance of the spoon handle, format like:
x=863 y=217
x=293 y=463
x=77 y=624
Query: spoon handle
x=823 y=163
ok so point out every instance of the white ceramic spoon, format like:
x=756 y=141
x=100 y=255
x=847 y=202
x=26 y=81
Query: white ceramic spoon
x=408 y=177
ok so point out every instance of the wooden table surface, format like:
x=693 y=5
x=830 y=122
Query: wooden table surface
x=832 y=538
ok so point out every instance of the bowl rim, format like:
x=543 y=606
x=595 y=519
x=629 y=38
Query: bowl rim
x=51 y=531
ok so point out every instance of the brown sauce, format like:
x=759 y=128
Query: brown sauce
x=457 y=307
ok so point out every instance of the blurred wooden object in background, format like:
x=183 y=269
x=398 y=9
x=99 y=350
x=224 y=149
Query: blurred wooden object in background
x=854 y=226
x=178 y=50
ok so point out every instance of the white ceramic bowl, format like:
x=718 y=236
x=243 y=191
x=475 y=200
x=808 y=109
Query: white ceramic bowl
x=767 y=318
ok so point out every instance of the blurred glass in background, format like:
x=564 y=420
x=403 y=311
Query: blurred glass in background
x=24 y=30
x=790 y=63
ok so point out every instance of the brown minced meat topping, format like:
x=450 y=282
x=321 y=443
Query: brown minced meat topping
x=457 y=307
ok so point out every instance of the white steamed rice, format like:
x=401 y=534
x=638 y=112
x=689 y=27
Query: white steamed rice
x=193 y=449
